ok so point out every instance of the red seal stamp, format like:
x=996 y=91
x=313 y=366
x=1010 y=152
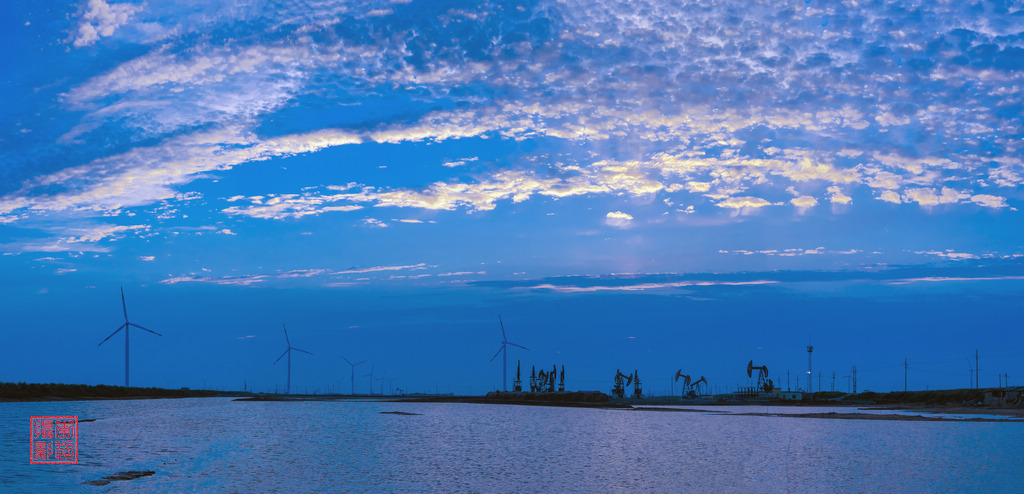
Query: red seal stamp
x=53 y=440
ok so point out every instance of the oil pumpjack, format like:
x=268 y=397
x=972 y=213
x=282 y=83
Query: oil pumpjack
x=638 y=389
x=619 y=390
x=763 y=383
x=687 y=388
x=692 y=389
x=699 y=387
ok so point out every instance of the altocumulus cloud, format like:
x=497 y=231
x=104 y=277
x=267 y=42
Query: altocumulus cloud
x=615 y=96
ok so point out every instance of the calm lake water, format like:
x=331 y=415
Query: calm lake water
x=220 y=445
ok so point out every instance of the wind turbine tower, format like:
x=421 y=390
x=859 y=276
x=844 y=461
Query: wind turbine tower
x=125 y=327
x=372 y=367
x=503 y=350
x=353 y=377
x=288 y=386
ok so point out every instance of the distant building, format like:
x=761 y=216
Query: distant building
x=791 y=395
x=1004 y=396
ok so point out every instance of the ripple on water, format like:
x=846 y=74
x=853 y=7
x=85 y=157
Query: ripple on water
x=218 y=444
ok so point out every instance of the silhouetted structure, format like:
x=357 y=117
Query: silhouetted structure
x=288 y=386
x=125 y=327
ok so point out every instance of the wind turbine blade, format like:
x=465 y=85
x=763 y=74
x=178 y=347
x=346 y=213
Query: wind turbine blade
x=503 y=337
x=124 y=308
x=144 y=329
x=346 y=360
x=362 y=362
x=513 y=344
x=496 y=354
x=286 y=335
x=301 y=350
x=119 y=328
x=282 y=355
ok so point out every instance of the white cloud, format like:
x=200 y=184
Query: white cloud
x=890 y=196
x=792 y=252
x=381 y=268
x=698 y=186
x=99 y=232
x=224 y=280
x=804 y=202
x=949 y=254
x=928 y=197
x=302 y=273
x=743 y=202
x=989 y=201
x=101 y=19
x=937 y=279
x=147 y=175
x=147 y=258
x=837 y=196
x=642 y=286
x=618 y=219
x=459 y=162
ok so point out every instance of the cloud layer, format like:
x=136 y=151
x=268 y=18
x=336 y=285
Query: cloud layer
x=736 y=108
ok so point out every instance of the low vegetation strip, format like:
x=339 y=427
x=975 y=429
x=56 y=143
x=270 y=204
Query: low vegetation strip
x=933 y=397
x=52 y=391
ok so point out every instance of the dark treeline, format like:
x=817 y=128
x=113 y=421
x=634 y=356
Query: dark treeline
x=36 y=391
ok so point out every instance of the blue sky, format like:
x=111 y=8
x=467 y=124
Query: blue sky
x=641 y=185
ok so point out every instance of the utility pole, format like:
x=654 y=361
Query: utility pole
x=810 y=385
x=787 y=380
x=855 y=379
x=833 y=381
x=904 y=375
x=977 y=370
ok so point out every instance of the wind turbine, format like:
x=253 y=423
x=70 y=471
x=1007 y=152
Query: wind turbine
x=125 y=326
x=371 y=378
x=288 y=387
x=504 y=357
x=353 y=377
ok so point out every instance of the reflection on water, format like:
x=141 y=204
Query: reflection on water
x=216 y=444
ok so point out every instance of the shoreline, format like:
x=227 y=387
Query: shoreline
x=929 y=413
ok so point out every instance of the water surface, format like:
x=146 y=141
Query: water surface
x=216 y=444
